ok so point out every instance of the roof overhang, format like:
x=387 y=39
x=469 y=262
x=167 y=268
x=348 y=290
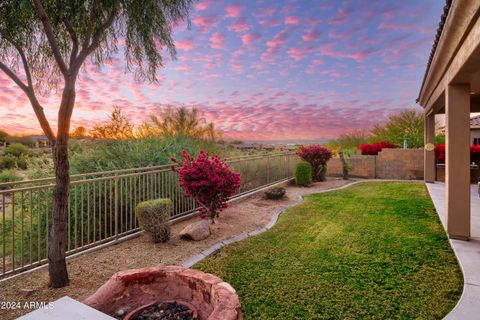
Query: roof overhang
x=457 y=50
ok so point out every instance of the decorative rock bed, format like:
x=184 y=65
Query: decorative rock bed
x=209 y=296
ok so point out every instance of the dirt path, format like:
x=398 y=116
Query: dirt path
x=91 y=270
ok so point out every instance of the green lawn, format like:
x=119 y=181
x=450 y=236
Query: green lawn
x=371 y=251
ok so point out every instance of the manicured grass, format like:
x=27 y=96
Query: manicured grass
x=372 y=251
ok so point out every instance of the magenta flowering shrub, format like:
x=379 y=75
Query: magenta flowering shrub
x=317 y=156
x=208 y=180
x=374 y=148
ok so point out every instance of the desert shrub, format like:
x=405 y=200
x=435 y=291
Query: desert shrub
x=21 y=162
x=105 y=155
x=17 y=149
x=374 y=148
x=7 y=162
x=317 y=156
x=40 y=167
x=153 y=216
x=10 y=162
x=208 y=180
x=275 y=193
x=8 y=176
x=303 y=174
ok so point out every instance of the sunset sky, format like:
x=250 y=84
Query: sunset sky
x=268 y=69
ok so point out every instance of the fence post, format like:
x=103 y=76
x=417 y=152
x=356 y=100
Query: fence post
x=268 y=168
x=116 y=207
x=287 y=169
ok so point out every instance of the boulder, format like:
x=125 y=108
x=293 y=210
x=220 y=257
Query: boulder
x=196 y=231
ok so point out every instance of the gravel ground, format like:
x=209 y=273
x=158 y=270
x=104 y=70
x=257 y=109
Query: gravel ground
x=90 y=271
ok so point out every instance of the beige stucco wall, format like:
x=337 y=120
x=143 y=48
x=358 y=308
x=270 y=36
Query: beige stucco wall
x=360 y=166
x=404 y=164
x=474 y=133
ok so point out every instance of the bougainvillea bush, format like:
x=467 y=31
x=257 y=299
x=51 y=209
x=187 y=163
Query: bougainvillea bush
x=374 y=148
x=475 y=154
x=208 y=180
x=440 y=155
x=317 y=156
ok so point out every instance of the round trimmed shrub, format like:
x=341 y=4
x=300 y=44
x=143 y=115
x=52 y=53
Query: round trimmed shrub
x=153 y=217
x=275 y=193
x=303 y=174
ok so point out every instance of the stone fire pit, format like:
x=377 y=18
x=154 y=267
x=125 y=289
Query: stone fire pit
x=210 y=296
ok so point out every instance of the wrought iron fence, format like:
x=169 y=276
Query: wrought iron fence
x=102 y=205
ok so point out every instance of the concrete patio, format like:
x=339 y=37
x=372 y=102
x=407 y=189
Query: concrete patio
x=467 y=252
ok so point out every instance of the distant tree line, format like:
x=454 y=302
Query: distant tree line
x=170 y=122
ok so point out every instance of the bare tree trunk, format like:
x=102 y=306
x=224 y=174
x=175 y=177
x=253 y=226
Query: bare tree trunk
x=57 y=243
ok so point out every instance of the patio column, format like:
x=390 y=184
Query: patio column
x=457 y=117
x=429 y=155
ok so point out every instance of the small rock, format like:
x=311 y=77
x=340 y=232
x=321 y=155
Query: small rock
x=196 y=231
x=26 y=292
x=120 y=312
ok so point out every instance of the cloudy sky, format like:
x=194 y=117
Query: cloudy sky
x=268 y=69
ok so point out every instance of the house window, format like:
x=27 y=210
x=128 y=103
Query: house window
x=476 y=141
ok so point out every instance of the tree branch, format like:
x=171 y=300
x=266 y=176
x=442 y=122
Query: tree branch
x=88 y=48
x=42 y=119
x=13 y=76
x=75 y=42
x=88 y=33
x=51 y=37
x=37 y=108
x=22 y=56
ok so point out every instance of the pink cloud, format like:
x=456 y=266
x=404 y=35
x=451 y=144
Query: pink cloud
x=233 y=10
x=217 y=40
x=292 y=20
x=332 y=34
x=264 y=12
x=298 y=54
x=203 y=5
x=205 y=22
x=329 y=51
x=342 y=15
x=249 y=38
x=331 y=73
x=311 y=35
x=185 y=44
x=273 y=45
x=270 y=22
x=240 y=25
x=313 y=66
